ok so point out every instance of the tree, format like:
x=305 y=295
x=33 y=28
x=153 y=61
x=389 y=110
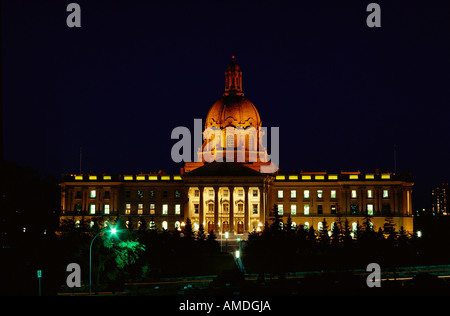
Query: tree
x=188 y=232
x=201 y=236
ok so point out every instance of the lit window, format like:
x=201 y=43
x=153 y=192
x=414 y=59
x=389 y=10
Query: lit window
x=385 y=194
x=92 y=208
x=319 y=226
x=280 y=209
x=177 y=225
x=127 y=208
x=107 y=208
x=306 y=194
x=255 y=193
x=306 y=225
x=293 y=194
x=165 y=209
x=306 y=209
x=293 y=209
x=354 y=226
x=196 y=226
x=320 y=194
x=140 y=208
x=333 y=209
x=370 y=209
x=164 y=225
x=333 y=194
x=93 y=194
x=280 y=194
x=152 y=208
x=177 y=209
x=354 y=194
x=370 y=194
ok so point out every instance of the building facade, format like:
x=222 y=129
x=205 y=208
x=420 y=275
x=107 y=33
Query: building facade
x=230 y=193
x=440 y=199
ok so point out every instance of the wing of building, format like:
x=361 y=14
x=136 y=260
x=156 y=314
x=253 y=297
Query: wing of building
x=235 y=196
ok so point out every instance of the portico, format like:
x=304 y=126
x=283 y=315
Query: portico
x=226 y=197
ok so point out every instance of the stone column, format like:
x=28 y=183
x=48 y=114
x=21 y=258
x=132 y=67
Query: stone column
x=246 y=210
x=231 y=218
x=216 y=209
x=200 y=207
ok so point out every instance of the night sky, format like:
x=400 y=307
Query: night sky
x=342 y=94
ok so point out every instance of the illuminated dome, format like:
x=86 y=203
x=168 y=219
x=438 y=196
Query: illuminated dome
x=233 y=109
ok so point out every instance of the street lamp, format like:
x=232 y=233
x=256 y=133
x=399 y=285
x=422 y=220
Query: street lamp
x=113 y=231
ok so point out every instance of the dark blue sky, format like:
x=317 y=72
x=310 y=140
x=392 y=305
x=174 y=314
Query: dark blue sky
x=341 y=93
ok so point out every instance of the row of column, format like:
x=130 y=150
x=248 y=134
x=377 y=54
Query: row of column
x=231 y=207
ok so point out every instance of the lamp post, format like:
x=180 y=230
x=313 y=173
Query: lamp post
x=113 y=231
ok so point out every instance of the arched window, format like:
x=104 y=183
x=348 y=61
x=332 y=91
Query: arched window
x=164 y=225
x=306 y=225
x=177 y=225
x=319 y=226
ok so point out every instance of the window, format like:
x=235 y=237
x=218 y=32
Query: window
x=165 y=194
x=333 y=209
x=320 y=194
x=240 y=193
x=177 y=209
x=280 y=209
x=353 y=209
x=306 y=209
x=93 y=194
x=293 y=209
x=320 y=209
x=255 y=193
x=140 y=194
x=319 y=226
x=354 y=194
x=92 y=208
x=255 y=208
x=78 y=207
x=369 y=194
x=140 y=208
x=306 y=194
x=164 y=225
x=293 y=194
x=306 y=225
x=280 y=194
x=128 y=208
x=165 y=209
x=107 y=195
x=152 y=193
x=196 y=208
x=107 y=208
x=177 y=194
x=385 y=194
x=225 y=193
x=152 y=208
x=226 y=208
x=127 y=194
x=196 y=193
x=211 y=193
x=210 y=208
x=78 y=195
x=333 y=194
x=370 y=209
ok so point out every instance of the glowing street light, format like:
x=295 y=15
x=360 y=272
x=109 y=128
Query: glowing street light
x=113 y=231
